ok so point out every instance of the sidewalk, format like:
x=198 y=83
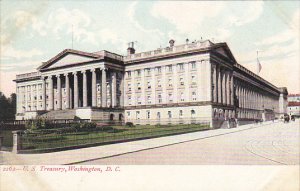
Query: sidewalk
x=98 y=152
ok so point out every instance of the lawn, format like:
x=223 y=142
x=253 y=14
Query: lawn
x=8 y=138
x=37 y=140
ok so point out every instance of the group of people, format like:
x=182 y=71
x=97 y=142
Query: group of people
x=287 y=118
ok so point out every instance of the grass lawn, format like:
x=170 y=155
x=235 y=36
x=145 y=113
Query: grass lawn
x=8 y=137
x=115 y=133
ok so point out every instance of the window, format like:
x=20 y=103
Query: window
x=194 y=96
x=129 y=100
x=139 y=86
x=181 y=81
x=170 y=82
x=41 y=97
x=159 y=98
x=148 y=71
x=180 y=113
x=129 y=86
x=129 y=74
x=138 y=72
x=193 y=79
x=170 y=68
x=148 y=114
x=169 y=114
x=193 y=65
x=170 y=97
x=139 y=99
x=149 y=85
x=193 y=113
x=158 y=70
x=149 y=99
x=159 y=83
x=182 y=96
x=158 y=115
x=128 y=113
x=137 y=115
x=181 y=67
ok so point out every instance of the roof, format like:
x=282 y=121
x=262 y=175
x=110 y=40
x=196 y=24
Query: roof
x=67 y=51
x=294 y=95
x=293 y=103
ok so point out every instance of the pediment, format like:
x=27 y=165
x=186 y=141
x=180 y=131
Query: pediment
x=225 y=51
x=68 y=57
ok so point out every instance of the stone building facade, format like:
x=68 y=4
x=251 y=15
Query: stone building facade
x=188 y=83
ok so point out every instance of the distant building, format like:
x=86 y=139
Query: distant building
x=188 y=83
x=293 y=104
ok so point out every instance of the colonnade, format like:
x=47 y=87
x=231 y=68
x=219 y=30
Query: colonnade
x=222 y=79
x=79 y=89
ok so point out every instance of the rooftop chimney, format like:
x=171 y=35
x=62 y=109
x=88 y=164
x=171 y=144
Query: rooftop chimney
x=172 y=43
x=130 y=49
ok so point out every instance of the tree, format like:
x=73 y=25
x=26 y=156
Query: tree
x=7 y=107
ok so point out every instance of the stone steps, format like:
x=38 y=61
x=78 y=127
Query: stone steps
x=60 y=114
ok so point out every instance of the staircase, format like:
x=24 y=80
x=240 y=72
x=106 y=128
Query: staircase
x=60 y=114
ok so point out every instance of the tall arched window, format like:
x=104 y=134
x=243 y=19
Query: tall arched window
x=193 y=113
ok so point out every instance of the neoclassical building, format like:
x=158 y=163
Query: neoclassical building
x=188 y=83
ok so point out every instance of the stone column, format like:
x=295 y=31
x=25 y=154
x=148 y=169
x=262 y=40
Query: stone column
x=219 y=85
x=133 y=88
x=58 y=91
x=51 y=95
x=84 y=88
x=228 y=88
x=76 y=93
x=122 y=89
x=223 y=88
x=37 y=96
x=163 y=84
x=31 y=97
x=215 y=99
x=175 y=84
x=103 y=88
x=143 y=85
x=26 y=97
x=43 y=94
x=153 y=86
x=67 y=86
x=17 y=142
x=94 y=88
x=113 y=89
x=232 y=89
x=187 y=82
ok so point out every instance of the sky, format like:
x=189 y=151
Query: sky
x=32 y=32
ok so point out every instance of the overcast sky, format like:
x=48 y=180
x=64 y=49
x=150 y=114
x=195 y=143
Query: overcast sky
x=34 y=31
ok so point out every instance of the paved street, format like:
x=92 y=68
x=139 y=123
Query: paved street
x=275 y=144
x=270 y=143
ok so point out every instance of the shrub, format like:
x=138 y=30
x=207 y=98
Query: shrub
x=88 y=125
x=105 y=128
x=39 y=123
x=129 y=124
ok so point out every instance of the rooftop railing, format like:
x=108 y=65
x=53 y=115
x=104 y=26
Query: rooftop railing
x=168 y=50
x=28 y=75
x=105 y=53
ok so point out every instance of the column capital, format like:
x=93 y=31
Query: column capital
x=83 y=71
x=57 y=75
x=93 y=69
x=74 y=73
x=66 y=74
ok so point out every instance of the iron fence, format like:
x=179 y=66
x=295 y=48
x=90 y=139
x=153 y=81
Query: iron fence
x=102 y=135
